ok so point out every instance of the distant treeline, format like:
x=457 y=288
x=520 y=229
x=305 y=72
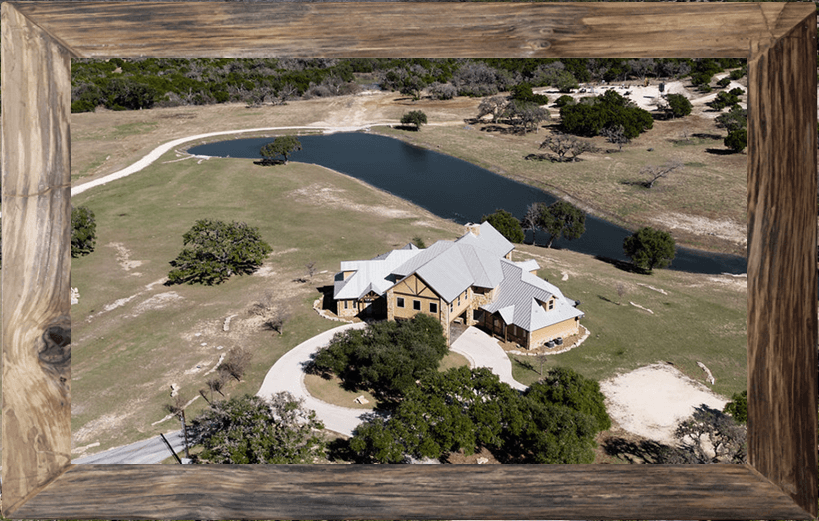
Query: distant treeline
x=121 y=84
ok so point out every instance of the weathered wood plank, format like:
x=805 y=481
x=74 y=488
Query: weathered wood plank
x=36 y=257
x=412 y=492
x=259 y=29
x=782 y=296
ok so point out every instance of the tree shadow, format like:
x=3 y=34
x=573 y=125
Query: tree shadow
x=269 y=162
x=411 y=128
x=702 y=135
x=643 y=451
x=621 y=265
x=720 y=151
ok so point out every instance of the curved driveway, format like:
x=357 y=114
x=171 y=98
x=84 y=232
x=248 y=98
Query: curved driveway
x=287 y=374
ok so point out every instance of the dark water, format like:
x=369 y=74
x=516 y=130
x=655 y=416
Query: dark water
x=454 y=189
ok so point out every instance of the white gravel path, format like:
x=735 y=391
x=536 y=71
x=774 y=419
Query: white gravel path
x=156 y=153
x=484 y=351
x=287 y=374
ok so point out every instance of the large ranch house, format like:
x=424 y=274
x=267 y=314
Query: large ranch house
x=471 y=280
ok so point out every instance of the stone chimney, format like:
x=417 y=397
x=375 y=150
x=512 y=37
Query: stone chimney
x=474 y=229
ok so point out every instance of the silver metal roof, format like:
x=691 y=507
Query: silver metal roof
x=520 y=295
x=370 y=275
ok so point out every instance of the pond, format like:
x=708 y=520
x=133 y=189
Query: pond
x=455 y=189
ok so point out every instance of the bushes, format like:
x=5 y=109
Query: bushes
x=607 y=110
x=737 y=140
x=83 y=231
x=678 y=105
x=386 y=357
x=463 y=409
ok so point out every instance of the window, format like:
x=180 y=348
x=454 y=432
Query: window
x=345 y=304
x=433 y=307
x=450 y=307
x=400 y=302
x=551 y=304
x=416 y=305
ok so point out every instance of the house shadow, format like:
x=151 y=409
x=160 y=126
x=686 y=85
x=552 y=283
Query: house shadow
x=328 y=302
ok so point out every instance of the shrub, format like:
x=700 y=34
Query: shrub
x=737 y=140
x=564 y=100
x=724 y=82
x=83 y=231
x=678 y=105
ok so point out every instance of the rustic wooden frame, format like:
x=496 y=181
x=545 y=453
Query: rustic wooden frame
x=40 y=38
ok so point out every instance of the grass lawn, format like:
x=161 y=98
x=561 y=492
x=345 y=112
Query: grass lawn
x=695 y=318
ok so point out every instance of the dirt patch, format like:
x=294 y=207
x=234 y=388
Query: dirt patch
x=158 y=301
x=325 y=197
x=723 y=229
x=104 y=423
x=650 y=401
x=124 y=257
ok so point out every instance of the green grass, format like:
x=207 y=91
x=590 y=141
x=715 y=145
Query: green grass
x=330 y=391
x=695 y=321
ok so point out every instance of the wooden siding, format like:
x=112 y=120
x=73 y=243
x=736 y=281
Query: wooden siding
x=779 y=39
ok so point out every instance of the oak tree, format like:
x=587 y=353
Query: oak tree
x=215 y=250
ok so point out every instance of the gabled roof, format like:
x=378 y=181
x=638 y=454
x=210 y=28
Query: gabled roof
x=489 y=239
x=520 y=295
x=449 y=268
x=370 y=275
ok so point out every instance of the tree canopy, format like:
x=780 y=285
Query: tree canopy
x=738 y=407
x=607 y=110
x=649 y=248
x=464 y=409
x=281 y=146
x=250 y=429
x=385 y=357
x=677 y=105
x=565 y=386
x=215 y=250
x=562 y=219
x=83 y=231
x=507 y=224
x=414 y=117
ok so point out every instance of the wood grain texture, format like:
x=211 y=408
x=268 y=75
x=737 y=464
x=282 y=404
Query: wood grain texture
x=36 y=258
x=413 y=492
x=259 y=29
x=38 y=40
x=782 y=278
